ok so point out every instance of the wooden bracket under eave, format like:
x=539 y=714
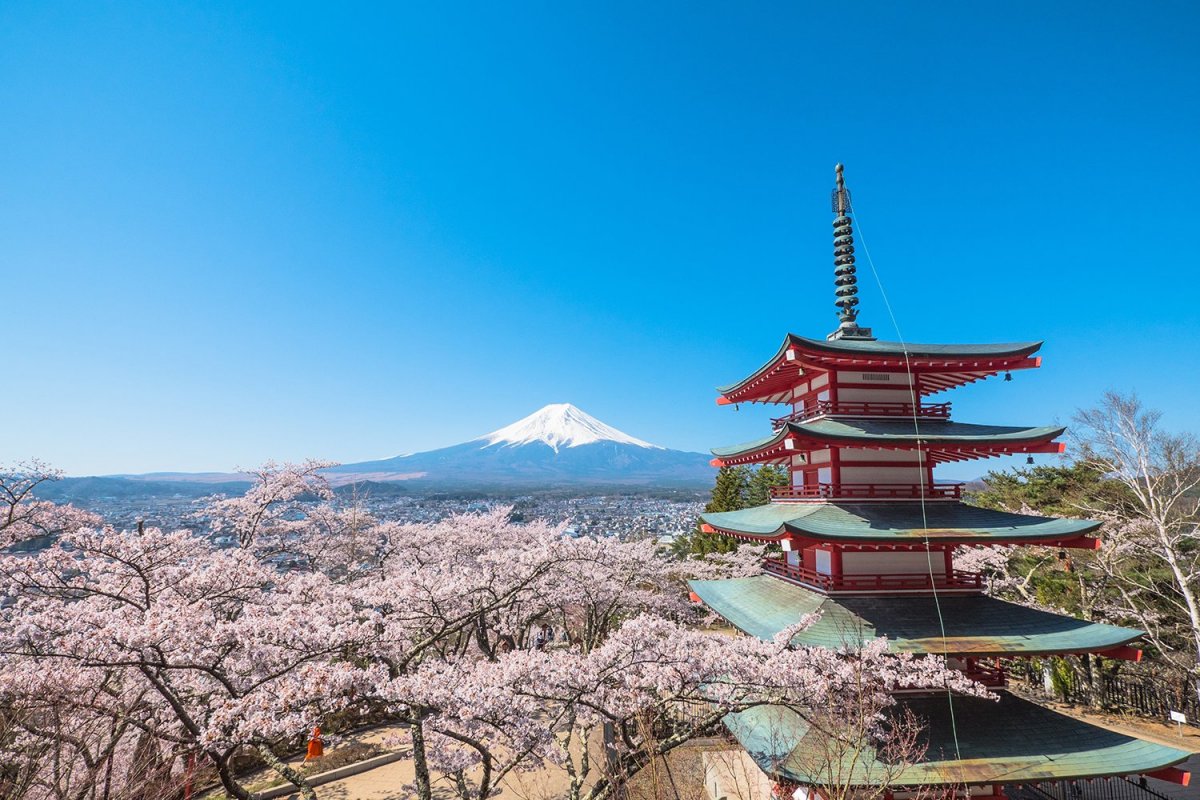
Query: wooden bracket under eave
x=1171 y=775
x=1122 y=653
x=1079 y=543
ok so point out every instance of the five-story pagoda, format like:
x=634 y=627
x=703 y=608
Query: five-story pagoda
x=868 y=539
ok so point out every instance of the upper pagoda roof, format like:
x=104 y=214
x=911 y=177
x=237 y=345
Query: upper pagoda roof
x=938 y=366
x=1005 y=741
x=958 y=440
x=899 y=522
x=938 y=353
x=975 y=625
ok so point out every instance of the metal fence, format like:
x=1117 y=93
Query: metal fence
x=1136 y=694
x=1100 y=789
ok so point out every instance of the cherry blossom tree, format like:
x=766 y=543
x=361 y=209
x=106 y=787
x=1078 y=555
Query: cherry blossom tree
x=652 y=686
x=73 y=734
x=224 y=652
x=170 y=648
x=630 y=664
x=23 y=516
x=274 y=507
x=459 y=590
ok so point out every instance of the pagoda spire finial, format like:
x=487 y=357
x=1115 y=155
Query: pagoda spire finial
x=843 y=265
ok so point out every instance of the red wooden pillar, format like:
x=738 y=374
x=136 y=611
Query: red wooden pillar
x=188 y=775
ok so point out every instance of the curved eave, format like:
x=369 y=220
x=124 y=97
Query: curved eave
x=931 y=432
x=946 y=522
x=764 y=523
x=1004 y=741
x=756 y=378
x=767 y=444
x=975 y=626
x=799 y=437
x=941 y=367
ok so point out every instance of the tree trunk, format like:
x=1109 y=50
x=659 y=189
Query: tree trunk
x=482 y=639
x=1185 y=589
x=420 y=765
x=227 y=780
x=291 y=775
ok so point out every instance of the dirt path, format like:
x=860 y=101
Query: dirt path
x=388 y=782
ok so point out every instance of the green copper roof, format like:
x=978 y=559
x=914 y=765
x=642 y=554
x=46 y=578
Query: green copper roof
x=861 y=347
x=892 y=522
x=938 y=351
x=895 y=431
x=1006 y=741
x=976 y=625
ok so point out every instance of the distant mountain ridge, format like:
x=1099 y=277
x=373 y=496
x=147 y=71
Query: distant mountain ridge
x=557 y=446
x=120 y=488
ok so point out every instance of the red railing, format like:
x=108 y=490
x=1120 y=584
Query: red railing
x=993 y=676
x=864 y=409
x=957 y=579
x=868 y=491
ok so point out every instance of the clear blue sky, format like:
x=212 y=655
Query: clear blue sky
x=232 y=232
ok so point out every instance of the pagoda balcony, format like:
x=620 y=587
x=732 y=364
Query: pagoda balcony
x=827 y=408
x=867 y=491
x=991 y=675
x=956 y=581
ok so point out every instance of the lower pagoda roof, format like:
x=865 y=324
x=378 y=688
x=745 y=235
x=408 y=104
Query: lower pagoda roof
x=1006 y=741
x=899 y=522
x=975 y=625
x=942 y=439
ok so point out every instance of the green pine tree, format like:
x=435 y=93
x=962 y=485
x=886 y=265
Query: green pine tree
x=758 y=490
x=730 y=493
x=735 y=488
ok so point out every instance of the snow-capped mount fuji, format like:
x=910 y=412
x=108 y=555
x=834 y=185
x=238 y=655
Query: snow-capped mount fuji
x=560 y=425
x=558 y=445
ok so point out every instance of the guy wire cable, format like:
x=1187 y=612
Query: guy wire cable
x=921 y=456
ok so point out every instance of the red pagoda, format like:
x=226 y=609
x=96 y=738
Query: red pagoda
x=868 y=538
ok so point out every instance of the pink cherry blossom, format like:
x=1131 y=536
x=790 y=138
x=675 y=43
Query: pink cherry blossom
x=127 y=654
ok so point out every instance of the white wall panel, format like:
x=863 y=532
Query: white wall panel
x=898 y=474
x=892 y=563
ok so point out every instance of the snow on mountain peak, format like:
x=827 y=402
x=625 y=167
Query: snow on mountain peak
x=560 y=425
